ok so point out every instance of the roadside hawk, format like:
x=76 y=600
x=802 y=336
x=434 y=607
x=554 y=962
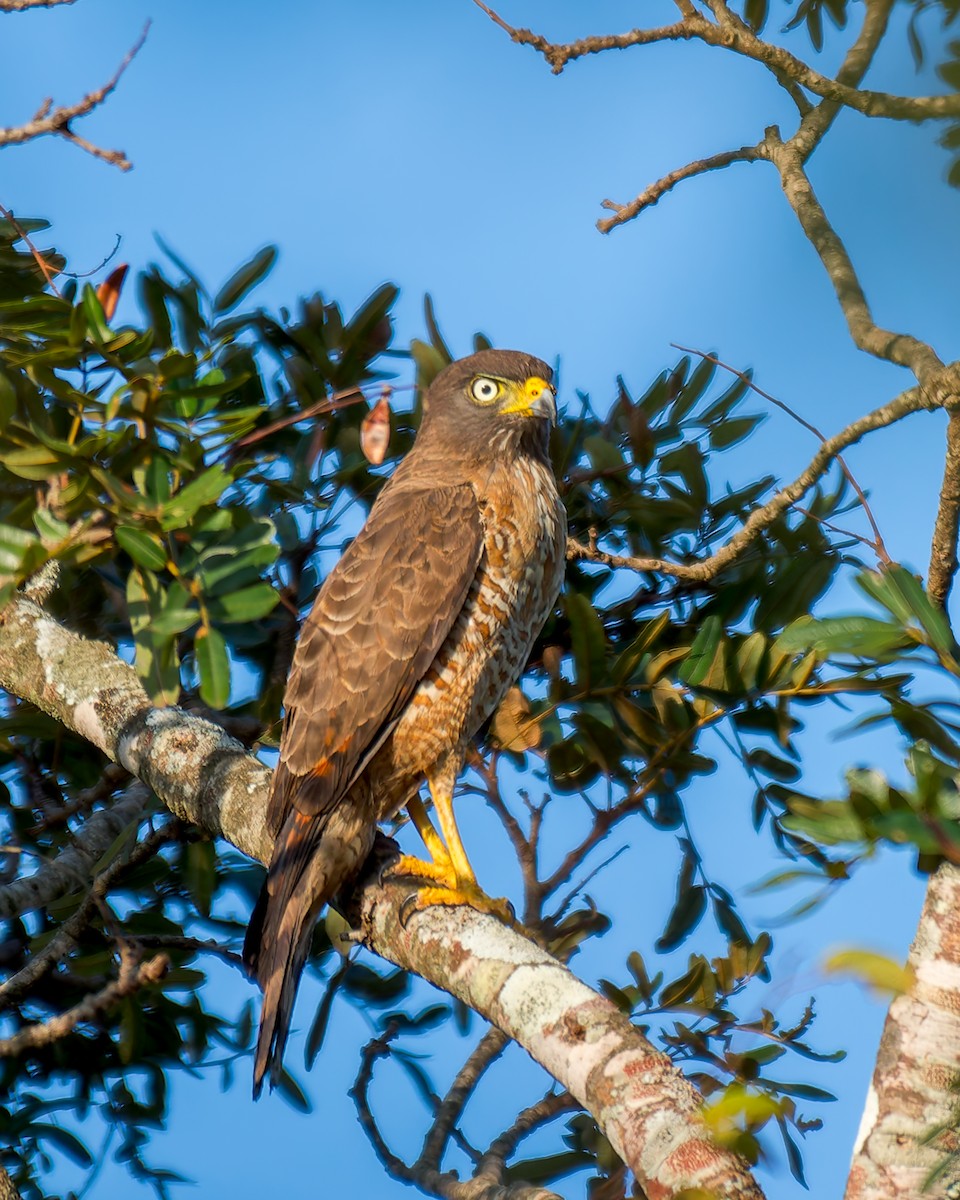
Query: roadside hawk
x=413 y=640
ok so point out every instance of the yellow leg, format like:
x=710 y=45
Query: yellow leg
x=449 y=871
x=440 y=868
x=443 y=804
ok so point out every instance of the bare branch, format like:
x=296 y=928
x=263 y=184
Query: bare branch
x=133 y=976
x=21 y=5
x=650 y=195
x=900 y=348
x=57 y=120
x=73 y=866
x=741 y=40
x=551 y=1106
x=943 y=552
x=877 y=544
x=914 y=400
x=485 y=1053
x=855 y=65
x=64 y=939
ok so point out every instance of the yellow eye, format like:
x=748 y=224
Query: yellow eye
x=484 y=390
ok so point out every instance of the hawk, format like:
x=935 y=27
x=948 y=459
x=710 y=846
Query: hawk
x=414 y=638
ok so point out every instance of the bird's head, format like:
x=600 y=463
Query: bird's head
x=495 y=398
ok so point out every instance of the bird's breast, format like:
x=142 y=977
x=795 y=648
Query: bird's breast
x=516 y=586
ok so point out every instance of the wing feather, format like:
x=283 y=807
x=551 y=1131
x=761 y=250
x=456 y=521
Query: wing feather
x=374 y=630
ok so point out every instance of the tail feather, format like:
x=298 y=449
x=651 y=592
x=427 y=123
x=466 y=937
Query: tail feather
x=313 y=858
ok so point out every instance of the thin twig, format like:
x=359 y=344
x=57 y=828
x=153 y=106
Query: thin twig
x=449 y=1111
x=739 y=39
x=878 y=543
x=48 y=272
x=531 y=1118
x=64 y=940
x=656 y=191
x=133 y=976
x=913 y=400
x=50 y=120
x=22 y=5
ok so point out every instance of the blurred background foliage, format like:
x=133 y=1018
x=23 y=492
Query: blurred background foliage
x=195 y=472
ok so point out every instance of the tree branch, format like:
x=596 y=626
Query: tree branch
x=656 y=191
x=647 y=1109
x=899 y=348
x=73 y=866
x=48 y=119
x=133 y=976
x=21 y=5
x=943 y=551
x=914 y=400
x=908 y=1133
x=741 y=40
x=855 y=65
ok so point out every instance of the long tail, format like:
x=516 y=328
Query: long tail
x=313 y=858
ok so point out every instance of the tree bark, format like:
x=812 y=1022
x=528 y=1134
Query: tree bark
x=909 y=1141
x=644 y=1105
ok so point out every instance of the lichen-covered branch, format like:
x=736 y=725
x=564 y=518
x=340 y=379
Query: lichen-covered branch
x=647 y=1109
x=59 y=120
x=943 y=550
x=908 y=1143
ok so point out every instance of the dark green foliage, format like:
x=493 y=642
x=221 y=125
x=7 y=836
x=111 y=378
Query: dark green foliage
x=168 y=466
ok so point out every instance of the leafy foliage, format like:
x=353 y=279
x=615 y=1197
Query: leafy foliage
x=195 y=471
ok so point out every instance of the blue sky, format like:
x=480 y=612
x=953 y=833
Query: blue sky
x=373 y=141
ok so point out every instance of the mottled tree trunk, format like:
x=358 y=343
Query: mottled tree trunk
x=908 y=1140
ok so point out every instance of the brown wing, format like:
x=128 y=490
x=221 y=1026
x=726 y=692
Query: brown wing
x=375 y=628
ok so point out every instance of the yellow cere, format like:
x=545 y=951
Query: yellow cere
x=533 y=389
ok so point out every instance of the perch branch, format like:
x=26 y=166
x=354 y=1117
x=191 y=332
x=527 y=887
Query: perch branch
x=649 y=1112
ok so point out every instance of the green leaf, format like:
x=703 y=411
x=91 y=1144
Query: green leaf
x=293 y=1093
x=203 y=490
x=144 y=548
x=244 y=280
x=697 y=664
x=97 y=325
x=64 y=1140
x=588 y=640
x=859 y=637
x=213 y=663
x=728 y=433
x=249 y=604
x=173 y=620
x=200 y=873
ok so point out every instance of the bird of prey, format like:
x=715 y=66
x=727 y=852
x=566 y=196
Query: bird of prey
x=414 y=638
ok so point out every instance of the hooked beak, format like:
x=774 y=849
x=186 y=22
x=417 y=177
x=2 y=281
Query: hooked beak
x=534 y=399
